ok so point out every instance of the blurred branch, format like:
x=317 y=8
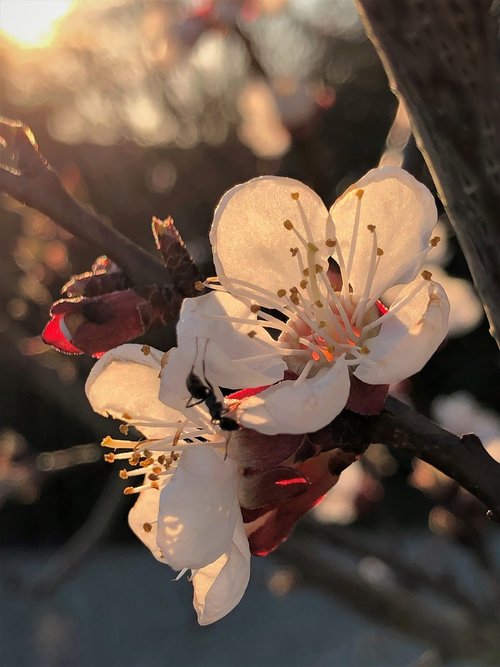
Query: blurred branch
x=463 y=458
x=385 y=601
x=33 y=182
x=78 y=547
x=441 y=59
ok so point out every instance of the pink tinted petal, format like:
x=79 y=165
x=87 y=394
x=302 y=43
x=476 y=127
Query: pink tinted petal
x=407 y=340
x=124 y=384
x=404 y=214
x=288 y=407
x=198 y=509
x=219 y=586
x=250 y=242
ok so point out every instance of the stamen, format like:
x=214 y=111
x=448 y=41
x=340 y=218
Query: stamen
x=360 y=310
x=397 y=305
x=352 y=249
x=304 y=373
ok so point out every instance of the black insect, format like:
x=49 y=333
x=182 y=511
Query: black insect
x=202 y=391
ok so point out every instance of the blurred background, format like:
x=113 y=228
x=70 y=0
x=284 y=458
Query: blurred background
x=157 y=107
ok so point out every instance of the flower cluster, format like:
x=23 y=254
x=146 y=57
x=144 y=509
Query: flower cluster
x=296 y=324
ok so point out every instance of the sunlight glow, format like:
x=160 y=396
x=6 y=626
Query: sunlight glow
x=32 y=23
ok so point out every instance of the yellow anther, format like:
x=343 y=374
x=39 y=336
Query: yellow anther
x=153 y=477
x=157 y=470
x=198 y=285
x=147 y=527
x=312 y=247
x=109 y=458
x=306 y=271
x=426 y=275
x=380 y=252
x=281 y=293
x=107 y=441
x=364 y=350
x=123 y=474
x=330 y=243
x=303 y=284
x=161 y=459
x=319 y=303
x=126 y=416
x=146 y=462
x=128 y=490
x=146 y=349
x=252 y=334
x=295 y=195
x=123 y=428
x=295 y=300
x=147 y=453
x=155 y=485
x=293 y=290
x=288 y=224
x=134 y=459
x=371 y=228
x=255 y=307
x=434 y=241
x=322 y=324
x=360 y=193
x=294 y=251
x=319 y=268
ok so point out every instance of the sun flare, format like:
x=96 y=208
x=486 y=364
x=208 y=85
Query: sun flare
x=32 y=23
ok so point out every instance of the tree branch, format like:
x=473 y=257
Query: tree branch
x=463 y=458
x=441 y=60
x=33 y=182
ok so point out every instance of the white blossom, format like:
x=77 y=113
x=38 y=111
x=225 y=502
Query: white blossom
x=187 y=512
x=273 y=243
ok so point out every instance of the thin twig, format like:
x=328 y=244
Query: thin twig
x=33 y=182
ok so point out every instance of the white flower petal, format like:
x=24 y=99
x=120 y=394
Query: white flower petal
x=201 y=336
x=250 y=242
x=198 y=509
x=298 y=408
x=145 y=513
x=407 y=340
x=218 y=587
x=125 y=381
x=404 y=214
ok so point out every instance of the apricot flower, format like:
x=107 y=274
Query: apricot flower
x=274 y=246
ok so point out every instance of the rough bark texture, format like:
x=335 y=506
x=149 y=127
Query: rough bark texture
x=442 y=61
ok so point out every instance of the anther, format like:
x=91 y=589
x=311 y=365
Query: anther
x=293 y=290
x=364 y=350
x=322 y=324
x=319 y=268
x=380 y=252
x=360 y=193
x=146 y=349
x=198 y=285
x=107 y=441
x=426 y=275
x=123 y=474
x=255 y=307
x=434 y=241
x=295 y=196
x=371 y=228
x=123 y=428
x=295 y=299
x=153 y=477
x=155 y=485
x=312 y=247
x=319 y=303
x=281 y=292
x=126 y=416
x=252 y=334
x=128 y=490
x=161 y=459
x=287 y=224
x=294 y=251
x=306 y=271
x=147 y=453
x=146 y=462
x=330 y=243
x=303 y=284
x=147 y=527
x=109 y=458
